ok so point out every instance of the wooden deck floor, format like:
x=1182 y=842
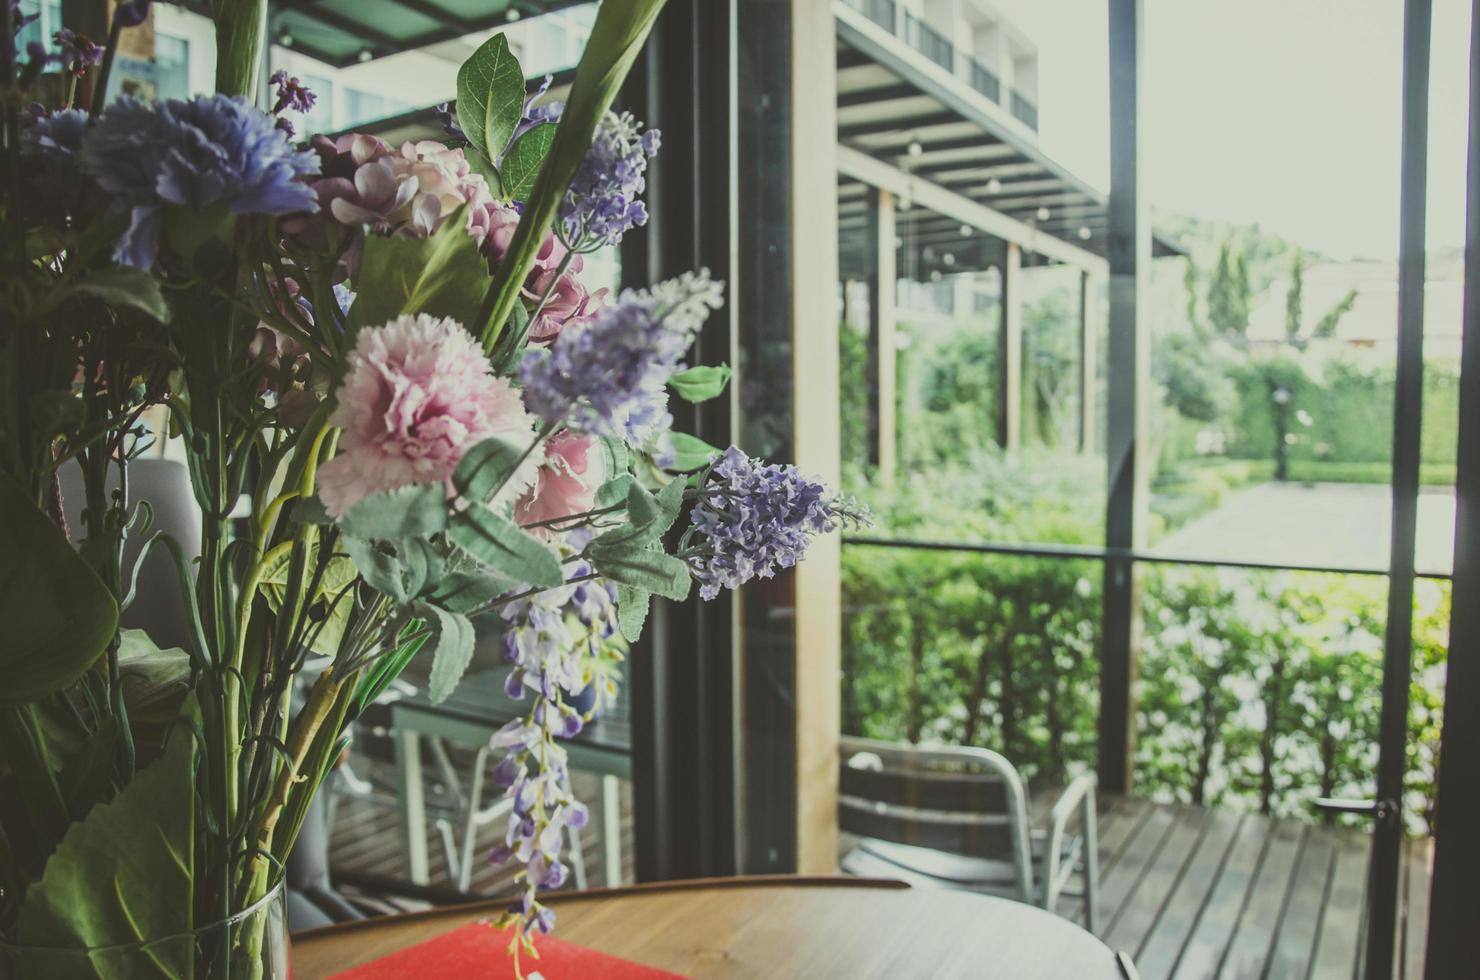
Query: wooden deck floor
x=1194 y=894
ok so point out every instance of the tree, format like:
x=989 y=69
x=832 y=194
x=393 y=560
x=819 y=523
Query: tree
x=1293 y=297
x=1229 y=294
x=1189 y=284
x=1326 y=325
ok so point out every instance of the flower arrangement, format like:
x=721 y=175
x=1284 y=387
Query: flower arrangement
x=389 y=354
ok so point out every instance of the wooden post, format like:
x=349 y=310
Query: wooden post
x=1089 y=357
x=1010 y=351
x=1129 y=381
x=882 y=348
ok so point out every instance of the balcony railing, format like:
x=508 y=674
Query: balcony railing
x=881 y=12
x=984 y=80
x=929 y=42
x=1025 y=110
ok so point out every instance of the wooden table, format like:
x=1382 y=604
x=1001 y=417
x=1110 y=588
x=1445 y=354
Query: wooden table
x=771 y=927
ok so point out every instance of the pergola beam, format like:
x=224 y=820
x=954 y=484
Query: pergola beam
x=861 y=166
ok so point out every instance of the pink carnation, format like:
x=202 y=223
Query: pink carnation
x=567 y=481
x=418 y=394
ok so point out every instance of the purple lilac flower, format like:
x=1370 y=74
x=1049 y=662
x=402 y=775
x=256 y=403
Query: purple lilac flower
x=131 y=14
x=607 y=377
x=291 y=93
x=447 y=116
x=602 y=202
x=544 y=637
x=78 y=51
x=756 y=517
x=209 y=150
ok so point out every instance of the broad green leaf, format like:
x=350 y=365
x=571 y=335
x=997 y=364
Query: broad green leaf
x=616 y=39
x=614 y=491
x=648 y=517
x=628 y=563
x=690 y=453
x=125 y=873
x=155 y=680
x=58 y=616
x=407 y=512
x=118 y=286
x=504 y=547
x=484 y=468
x=642 y=507
x=523 y=161
x=453 y=640
x=444 y=275
x=396 y=568
x=339 y=575
x=490 y=96
x=632 y=610
x=699 y=384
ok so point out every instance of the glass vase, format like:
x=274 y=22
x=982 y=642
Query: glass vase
x=251 y=945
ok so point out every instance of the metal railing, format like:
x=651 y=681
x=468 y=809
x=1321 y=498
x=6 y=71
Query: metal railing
x=929 y=42
x=984 y=80
x=1025 y=110
x=881 y=12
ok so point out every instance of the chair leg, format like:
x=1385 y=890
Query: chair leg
x=470 y=828
x=1091 y=868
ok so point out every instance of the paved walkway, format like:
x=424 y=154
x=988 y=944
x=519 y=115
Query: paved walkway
x=1341 y=524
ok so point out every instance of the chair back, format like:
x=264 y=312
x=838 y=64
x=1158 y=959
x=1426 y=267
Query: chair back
x=956 y=799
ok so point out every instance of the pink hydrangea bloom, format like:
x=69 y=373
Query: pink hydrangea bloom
x=409 y=191
x=567 y=481
x=418 y=394
x=493 y=226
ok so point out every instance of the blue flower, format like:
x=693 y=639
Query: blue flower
x=602 y=202
x=209 y=150
x=757 y=517
x=607 y=377
x=51 y=146
x=78 y=52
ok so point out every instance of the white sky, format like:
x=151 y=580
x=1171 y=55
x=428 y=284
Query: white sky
x=1284 y=112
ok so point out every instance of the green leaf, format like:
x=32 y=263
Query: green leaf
x=618 y=460
x=56 y=412
x=699 y=384
x=387 y=669
x=118 y=286
x=465 y=589
x=628 y=563
x=614 y=491
x=58 y=615
x=690 y=453
x=155 y=681
x=505 y=547
x=484 y=468
x=407 y=512
x=632 y=610
x=400 y=569
x=339 y=575
x=523 y=161
x=125 y=873
x=444 y=275
x=642 y=507
x=453 y=640
x=490 y=96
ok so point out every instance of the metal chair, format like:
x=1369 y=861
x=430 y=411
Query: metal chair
x=957 y=817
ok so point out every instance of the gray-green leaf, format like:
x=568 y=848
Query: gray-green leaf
x=407 y=512
x=505 y=547
x=484 y=468
x=646 y=568
x=632 y=610
x=690 y=453
x=453 y=640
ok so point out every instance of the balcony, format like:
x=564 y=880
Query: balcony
x=881 y=12
x=1025 y=111
x=984 y=80
x=929 y=42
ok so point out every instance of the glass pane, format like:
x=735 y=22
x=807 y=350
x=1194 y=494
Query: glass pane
x=988 y=651
x=965 y=234
x=1274 y=340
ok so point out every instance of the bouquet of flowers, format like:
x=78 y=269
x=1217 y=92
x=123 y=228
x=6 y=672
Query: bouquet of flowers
x=401 y=409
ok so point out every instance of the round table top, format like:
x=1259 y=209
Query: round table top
x=772 y=927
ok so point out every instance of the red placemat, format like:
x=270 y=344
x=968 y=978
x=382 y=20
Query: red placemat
x=480 y=952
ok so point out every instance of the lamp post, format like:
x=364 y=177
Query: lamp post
x=1281 y=397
